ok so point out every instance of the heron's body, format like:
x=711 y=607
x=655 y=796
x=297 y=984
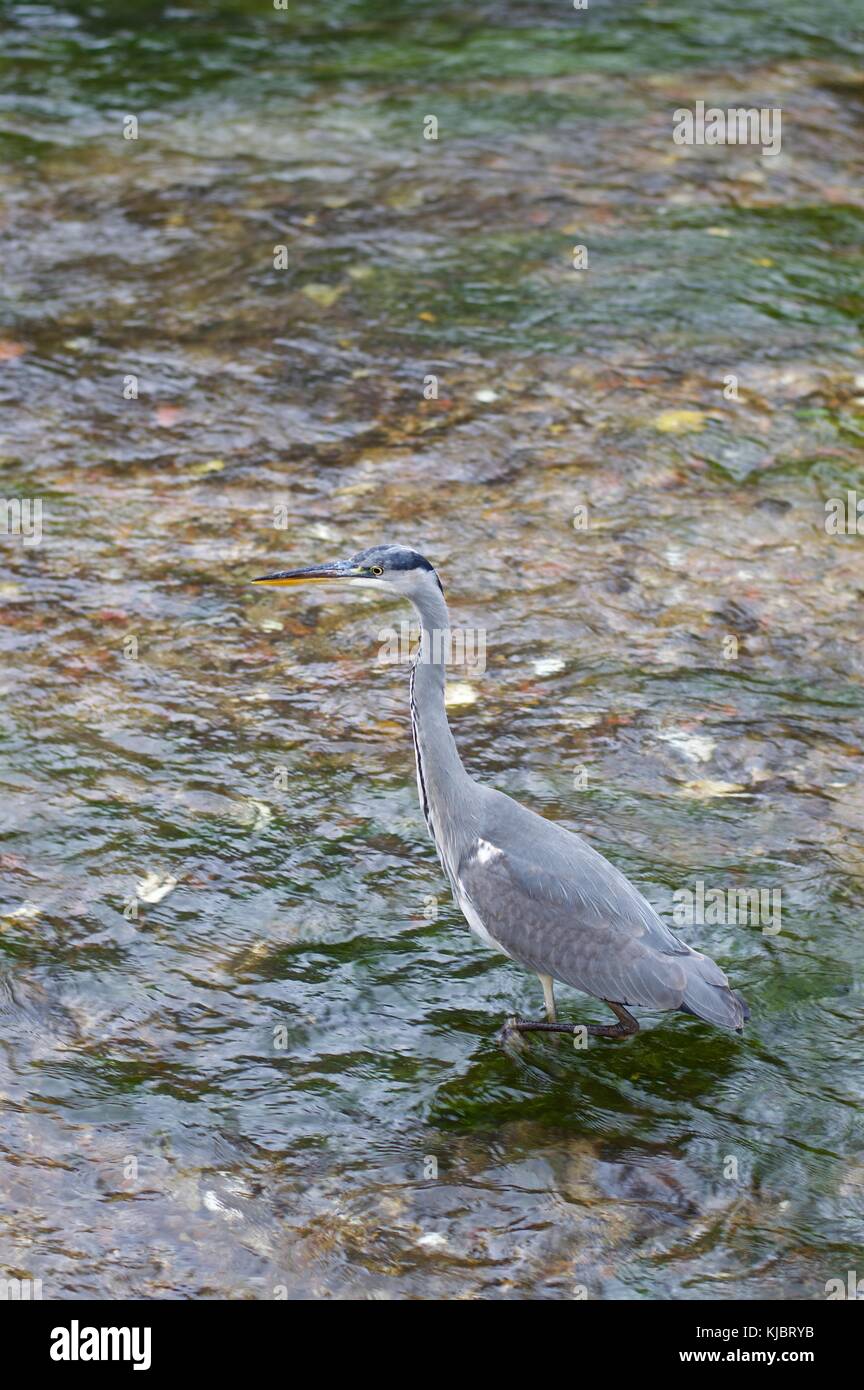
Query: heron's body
x=528 y=887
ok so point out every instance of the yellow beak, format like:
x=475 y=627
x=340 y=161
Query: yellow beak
x=315 y=574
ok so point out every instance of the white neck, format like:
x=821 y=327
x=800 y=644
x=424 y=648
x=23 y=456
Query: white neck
x=441 y=778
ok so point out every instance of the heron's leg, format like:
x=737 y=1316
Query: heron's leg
x=548 y=996
x=624 y=1028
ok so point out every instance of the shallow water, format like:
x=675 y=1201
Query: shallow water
x=248 y=1046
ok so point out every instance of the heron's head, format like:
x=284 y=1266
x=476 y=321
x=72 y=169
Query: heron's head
x=387 y=567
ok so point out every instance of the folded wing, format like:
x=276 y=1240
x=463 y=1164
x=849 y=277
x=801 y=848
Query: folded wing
x=558 y=907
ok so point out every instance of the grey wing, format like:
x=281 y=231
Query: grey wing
x=558 y=907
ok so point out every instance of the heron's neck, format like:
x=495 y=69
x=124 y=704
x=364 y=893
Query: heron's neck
x=439 y=767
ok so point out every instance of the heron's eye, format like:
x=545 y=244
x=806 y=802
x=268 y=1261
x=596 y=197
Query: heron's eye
x=376 y=569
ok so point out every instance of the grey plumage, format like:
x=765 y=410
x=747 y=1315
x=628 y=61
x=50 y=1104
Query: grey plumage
x=563 y=910
x=527 y=886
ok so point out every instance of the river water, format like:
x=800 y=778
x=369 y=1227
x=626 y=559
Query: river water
x=248 y=1047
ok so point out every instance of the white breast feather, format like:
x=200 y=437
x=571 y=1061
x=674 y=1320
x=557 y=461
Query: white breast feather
x=485 y=853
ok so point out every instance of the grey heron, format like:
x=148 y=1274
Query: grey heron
x=528 y=887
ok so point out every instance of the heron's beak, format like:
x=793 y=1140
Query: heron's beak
x=315 y=574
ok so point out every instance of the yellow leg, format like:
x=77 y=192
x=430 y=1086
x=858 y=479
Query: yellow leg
x=549 y=996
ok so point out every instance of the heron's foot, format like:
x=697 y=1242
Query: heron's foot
x=609 y=1030
x=527 y=1025
x=624 y=1028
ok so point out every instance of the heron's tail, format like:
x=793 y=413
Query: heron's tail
x=707 y=995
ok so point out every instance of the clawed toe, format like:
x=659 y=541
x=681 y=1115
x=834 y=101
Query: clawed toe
x=509 y=1030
